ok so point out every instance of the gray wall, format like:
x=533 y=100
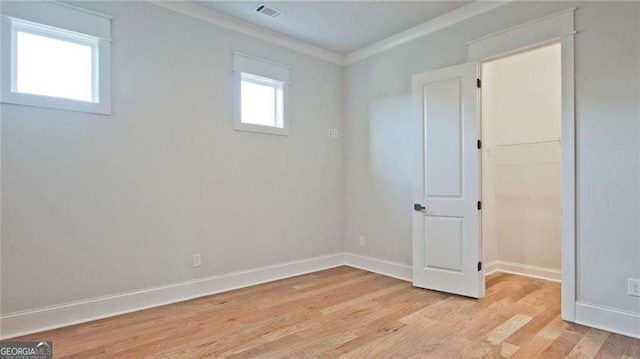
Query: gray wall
x=118 y=203
x=378 y=155
x=96 y=205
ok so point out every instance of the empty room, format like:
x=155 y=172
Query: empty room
x=319 y=179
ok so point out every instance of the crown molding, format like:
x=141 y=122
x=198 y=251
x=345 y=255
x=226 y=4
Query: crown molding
x=259 y=32
x=203 y=13
x=569 y=32
x=438 y=23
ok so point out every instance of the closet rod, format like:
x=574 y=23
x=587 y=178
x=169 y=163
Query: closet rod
x=529 y=143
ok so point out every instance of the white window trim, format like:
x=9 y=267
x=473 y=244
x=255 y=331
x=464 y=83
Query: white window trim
x=268 y=70
x=101 y=64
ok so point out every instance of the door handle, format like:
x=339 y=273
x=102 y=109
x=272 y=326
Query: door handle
x=419 y=207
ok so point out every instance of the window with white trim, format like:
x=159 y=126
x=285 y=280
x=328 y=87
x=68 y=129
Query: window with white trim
x=45 y=65
x=261 y=95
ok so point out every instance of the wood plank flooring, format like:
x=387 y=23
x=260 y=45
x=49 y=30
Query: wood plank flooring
x=348 y=313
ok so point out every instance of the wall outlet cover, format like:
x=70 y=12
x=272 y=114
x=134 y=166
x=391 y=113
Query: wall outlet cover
x=361 y=241
x=197 y=261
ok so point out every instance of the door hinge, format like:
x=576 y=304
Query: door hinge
x=479 y=266
x=479 y=144
x=479 y=83
x=479 y=205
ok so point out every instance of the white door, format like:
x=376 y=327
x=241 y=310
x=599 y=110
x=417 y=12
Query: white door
x=446 y=220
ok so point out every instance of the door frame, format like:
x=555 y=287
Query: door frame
x=556 y=28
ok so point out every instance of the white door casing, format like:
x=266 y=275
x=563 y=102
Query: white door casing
x=446 y=233
x=556 y=27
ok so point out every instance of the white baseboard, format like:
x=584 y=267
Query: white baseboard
x=390 y=269
x=591 y=315
x=490 y=268
x=42 y=319
x=609 y=319
x=553 y=275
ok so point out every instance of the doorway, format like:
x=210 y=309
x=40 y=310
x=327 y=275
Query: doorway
x=521 y=96
x=448 y=250
x=521 y=132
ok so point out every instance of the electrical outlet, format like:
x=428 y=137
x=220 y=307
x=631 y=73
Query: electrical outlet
x=197 y=261
x=361 y=241
x=634 y=287
x=334 y=133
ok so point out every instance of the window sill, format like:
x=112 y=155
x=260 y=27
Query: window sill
x=55 y=103
x=261 y=129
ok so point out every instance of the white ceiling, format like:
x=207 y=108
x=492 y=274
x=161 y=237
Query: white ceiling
x=338 y=26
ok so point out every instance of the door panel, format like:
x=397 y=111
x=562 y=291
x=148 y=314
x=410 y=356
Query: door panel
x=446 y=232
x=443 y=176
x=444 y=248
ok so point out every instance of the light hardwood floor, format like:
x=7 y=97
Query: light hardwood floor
x=348 y=313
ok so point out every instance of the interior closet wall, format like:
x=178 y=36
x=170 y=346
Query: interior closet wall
x=521 y=131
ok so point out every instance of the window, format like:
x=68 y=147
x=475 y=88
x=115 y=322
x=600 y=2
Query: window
x=262 y=89
x=53 y=67
x=51 y=63
x=261 y=101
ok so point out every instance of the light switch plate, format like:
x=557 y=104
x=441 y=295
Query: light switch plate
x=634 y=287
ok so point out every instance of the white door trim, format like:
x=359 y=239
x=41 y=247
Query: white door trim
x=554 y=28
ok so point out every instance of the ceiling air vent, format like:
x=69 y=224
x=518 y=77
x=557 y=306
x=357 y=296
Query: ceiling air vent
x=269 y=11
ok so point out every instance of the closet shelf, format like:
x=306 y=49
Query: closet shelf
x=557 y=140
x=523 y=153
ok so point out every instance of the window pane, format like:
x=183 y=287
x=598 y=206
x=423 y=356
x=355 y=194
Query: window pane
x=52 y=67
x=258 y=104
